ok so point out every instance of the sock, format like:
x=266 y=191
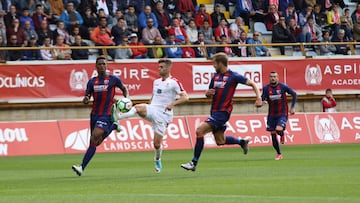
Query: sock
x=199 y=146
x=231 y=140
x=275 y=143
x=128 y=114
x=88 y=156
x=158 y=153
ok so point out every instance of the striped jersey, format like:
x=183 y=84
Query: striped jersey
x=276 y=98
x=103 y=91
x=225 y=86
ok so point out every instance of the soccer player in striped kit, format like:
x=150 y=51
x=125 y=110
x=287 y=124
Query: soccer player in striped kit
x=102 y=89
x=221 y=90
x=275 y=95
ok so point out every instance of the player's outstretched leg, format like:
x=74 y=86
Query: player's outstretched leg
x=244 y=143
x=157 y=158
x=199 y=146
x=79 y=170
x=282 y=137
x=276 y=146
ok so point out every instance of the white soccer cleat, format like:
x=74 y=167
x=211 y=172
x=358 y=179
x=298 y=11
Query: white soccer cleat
x=158 y=166
x=77 y=169
x=189 y=166
x=114 y=113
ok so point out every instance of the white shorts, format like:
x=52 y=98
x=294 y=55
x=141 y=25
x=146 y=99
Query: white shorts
x=159 y=119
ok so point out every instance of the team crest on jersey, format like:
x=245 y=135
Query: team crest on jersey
x=158 y=91
x=326 y=129
x=313 y=75
x=106 y=82
x=78 y=80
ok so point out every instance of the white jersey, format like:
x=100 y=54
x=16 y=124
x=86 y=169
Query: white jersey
x=165 y=92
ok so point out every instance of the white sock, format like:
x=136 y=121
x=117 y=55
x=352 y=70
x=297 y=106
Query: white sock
x=128 y=114
x=158 y=153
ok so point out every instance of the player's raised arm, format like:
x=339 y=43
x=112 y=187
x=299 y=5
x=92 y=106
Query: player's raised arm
x=258 y=102
x=125 y=91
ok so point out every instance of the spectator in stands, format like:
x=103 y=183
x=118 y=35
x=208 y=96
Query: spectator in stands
x=136 y=4
x=29 y=55
x=300 y=5
x=328 y=102
x=290 y=13
x=236 y=28
x=225 y=3
x=73 y=33
x=320 y=17
x=355 y=16
x=140 y=52
x=304 y=15
x=157 y=52
x=259 y=50
x=171 y=6
x=44 y=31
x=188 y=52
x=208 y=33
x=47 y=54
x=124 y=52
x=90 y=20
x=163 y=18
x=131 y=19
x=224 y=48
x=120 y=30
x=10 y=16
x=39 y=16
x=61 y=31
x=346 y=18
x=283 y=5
x=25 y=16
x=343 y=49
x=327 y=49
x=345 y=25
x=185 y=6
x=200 y=50
x=79 y=54
x=46 y=10
x=106 y=6
x=272 y=17
x=14 y=55
x=173 y=52
x=178 y=31
x=202 y=15
x=217 y=16
x=62 y=50
x=101 y=13
x=57 y=8
x=281 y=34
x=3 y=53
x=29 y=31
x=312 y=32
x=3 y=32
x=245 y=9
x=116 y=17
x=105 y=39
x=241 y=51
x=96 y=33
x=71 y=17
x=221 y=30
x=356 y=30
x=296 y=31
x=192 y=31
x=149 y=33
x=146 y=14
x=16 y=29
x=184 y=19
x=333 y=19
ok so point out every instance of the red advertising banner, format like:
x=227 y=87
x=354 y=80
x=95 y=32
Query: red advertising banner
x=30 y=138
x=69 y=80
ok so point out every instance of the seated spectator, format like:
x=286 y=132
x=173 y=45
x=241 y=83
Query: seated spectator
x=39 y=16
x=320 y=17
x=71 y=17
x=146 y=14
x=90 y=20
x=305 y=14
x=3 y=32
x=44 y=31
x=272 y=17
x=202 y=15
x=200 y=50
x=281 y=34
x=57 y=8
x=217 y=16
x=138 y=53
x=245 y=9
x=178 y=31
x=236 y=28
x=120 y=30
x=62 y=50
x=109 y=19
x=105 y=39
x=312 y=32
x=171 y=6
x=124 y=52
x=131 y=19
x=149 y=33
x=47 y=54
x=79 y=54
x=333 y=19
x=259 y=50
x=14 y=55
x=3 y=53
x=118 y=14
x=356 y=30
x=15 y=29
x=225 y=3
x=225 y=49
x=343 y=49
x=96 y=34
x=328 y=102
x=188 y=52
x=191 y=31
x=73 y=33
x=207 y=31
x=28 y=31
x=296 y=31
x=157 y=52
x=290 y=13
x=346 y=18
x=327 y=49
x=61 y=31
x=261 y=8
x=163 y=18
x=221 y=30
x=173 y=52
x=26 y=17
x=184 y=19
x=10 y=16
x=185 y=6
x=29 y=55
x=46 y=10
x=241 y=51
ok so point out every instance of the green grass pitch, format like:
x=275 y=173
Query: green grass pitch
x=312 y=173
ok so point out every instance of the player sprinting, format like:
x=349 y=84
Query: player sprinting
x=102 y=89
x=160 y=110
x=275 y=95
x=221 y=90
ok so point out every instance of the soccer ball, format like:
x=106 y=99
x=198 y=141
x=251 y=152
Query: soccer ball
x=124 y=105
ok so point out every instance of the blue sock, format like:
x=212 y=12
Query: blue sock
x=88 y=156
x=231 y=140
x=199 y=146
x=275 y=143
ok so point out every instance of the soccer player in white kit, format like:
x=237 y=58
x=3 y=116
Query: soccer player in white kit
x=160 y=110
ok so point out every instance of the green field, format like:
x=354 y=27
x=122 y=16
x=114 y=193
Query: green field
x=316 y=173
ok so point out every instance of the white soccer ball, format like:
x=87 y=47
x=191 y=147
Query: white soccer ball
x=124 y=105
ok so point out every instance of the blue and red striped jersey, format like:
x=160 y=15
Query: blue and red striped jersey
x=276 y=98
x=225 y=85
x=103 y=91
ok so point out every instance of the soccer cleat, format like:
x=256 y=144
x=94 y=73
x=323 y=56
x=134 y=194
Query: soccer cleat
x=118 y=127
x=158 y=166
x=282 y=139
x=189 y=166
x=278 y=157
x=114 y=113
x=245 y=145
x=77 y=169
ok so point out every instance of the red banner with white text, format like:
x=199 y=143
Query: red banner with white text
x=72 y=136
x=69 y=80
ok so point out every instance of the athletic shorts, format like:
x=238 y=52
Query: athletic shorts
x=103 y=122
x=273 y=121
x=159 y=118
x=218 y=120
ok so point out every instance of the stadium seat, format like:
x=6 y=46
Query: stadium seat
x=227 y=14
x=204 y=2
x=260 y=27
